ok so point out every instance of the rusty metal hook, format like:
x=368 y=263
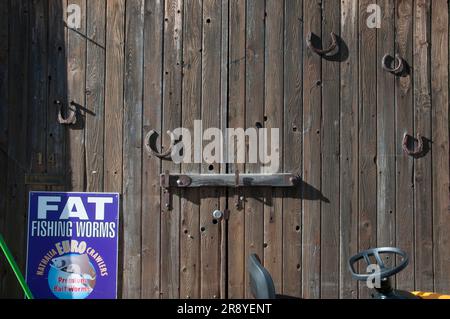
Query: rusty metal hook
x=70 y=120
x=417 y=151
x=332 y=47
x=388 y=67
x=150 y=141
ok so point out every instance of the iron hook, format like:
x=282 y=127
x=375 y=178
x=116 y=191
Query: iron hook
x=70 y=120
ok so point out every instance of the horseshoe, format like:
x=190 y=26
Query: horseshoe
x=151 y=147
x=333 y=46
x=396 y=69
x=70 y=120
x=415 y=152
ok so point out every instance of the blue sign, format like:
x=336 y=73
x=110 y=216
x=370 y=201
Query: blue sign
x=73 y=245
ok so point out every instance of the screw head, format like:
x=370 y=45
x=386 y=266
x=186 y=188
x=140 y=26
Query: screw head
x=217 y=214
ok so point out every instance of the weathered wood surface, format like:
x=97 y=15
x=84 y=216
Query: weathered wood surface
x=367 y=119
x=292 y=151
x=132 y=147
x=440 y=138
x=190 y=201
x=231 y=180
x=423 y=205
x=236 y=108
x=140 y=65
x=152 y=113
x=348 y=148
x=404 y=203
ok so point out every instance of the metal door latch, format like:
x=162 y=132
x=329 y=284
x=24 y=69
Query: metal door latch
x=236 y=180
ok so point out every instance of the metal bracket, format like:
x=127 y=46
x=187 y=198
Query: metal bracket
x=236 y=180
x=70 y=120
x=226 y=214
x=165 y=184
x=238 y=198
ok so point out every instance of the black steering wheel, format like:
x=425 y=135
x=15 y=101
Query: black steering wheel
x=385 y=271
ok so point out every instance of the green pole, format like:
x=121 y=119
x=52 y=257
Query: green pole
x=15 y=268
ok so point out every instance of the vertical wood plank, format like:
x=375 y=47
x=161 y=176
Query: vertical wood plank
x=15 y=218
x=95 y=94
x=151 y=166
x=273 y=110
x=236 y=119
x=440 y=138
x=329 y=265
x=367 y=177
x=132 y=147
x=76 y=81
x=114 y=87
x=422 y=167
x=172 y=83
x=386 y=131
x=254 y=114
x=37 y=95
x=312 y=113
x=57 y=88
x=114 y=99
x=404 y=164
x=292 y=150
x=190 y=201
x=349 y=148
x=211 y=115
x=223 y=227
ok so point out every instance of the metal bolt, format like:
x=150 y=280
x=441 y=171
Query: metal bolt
x=217 y=214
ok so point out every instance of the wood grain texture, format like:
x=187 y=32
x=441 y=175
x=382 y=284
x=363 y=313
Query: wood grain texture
x=190 y=201
x=140 y=65
x=236 y=118
x=273 y=119
x=440 y=138
x=404 y=123
x=367 y=176
x=132 y=147
x=37 y=94
x=292 y=151
x=254 y=116
x=422 y=167
x=95 y=94
x=223 y=223
x=114 y=95
x=57 y=45
x=386 y=132
x=349 y=148
x=312 y=116
x=211 y=115
x=329 y=264
x=113 y=113
x=76 y=95
x=170 y=219
x=151 y=166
